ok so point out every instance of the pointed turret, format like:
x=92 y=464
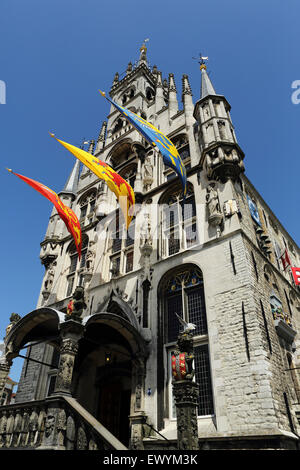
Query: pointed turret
x=159 y=94
x=72 y=182
x=206 y=85
x=220 y=154
x=187 y=101
x=101 y=137
x=172 y=95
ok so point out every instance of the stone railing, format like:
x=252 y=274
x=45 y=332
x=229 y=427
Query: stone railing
x=56 y=423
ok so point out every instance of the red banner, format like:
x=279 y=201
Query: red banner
x=296 y=275
x=67 y=215
x=285 y=260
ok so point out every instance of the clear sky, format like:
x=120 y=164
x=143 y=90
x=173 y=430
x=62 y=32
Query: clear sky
x=56 y=54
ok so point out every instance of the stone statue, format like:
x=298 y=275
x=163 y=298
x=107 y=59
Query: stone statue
x=183 y=357
x=49 y=278
x=212 y=200
x=78 y=304
x=90 y=257
x=145 y=234
x=14 y=318
x=147 y=173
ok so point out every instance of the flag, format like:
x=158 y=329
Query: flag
x=296 y=275
x=154 y=136
x=115 y=182
x=285 y=260
x=66 y=214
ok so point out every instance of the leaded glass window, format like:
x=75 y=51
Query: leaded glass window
x=179 y=223
x=184 y=295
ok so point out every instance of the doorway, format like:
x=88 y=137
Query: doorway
x=114 y=402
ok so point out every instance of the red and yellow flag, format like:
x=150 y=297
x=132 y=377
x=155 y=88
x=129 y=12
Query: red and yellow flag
x=67 y=215
x=114 y=181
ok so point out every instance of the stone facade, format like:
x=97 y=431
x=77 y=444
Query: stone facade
x=251 y=391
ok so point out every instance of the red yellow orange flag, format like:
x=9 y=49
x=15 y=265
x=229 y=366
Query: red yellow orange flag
x=114 y=181
x=67 y=214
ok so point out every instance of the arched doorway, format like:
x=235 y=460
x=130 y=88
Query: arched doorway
x=106 y=375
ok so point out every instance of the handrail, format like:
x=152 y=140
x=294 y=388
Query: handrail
x=58 y=422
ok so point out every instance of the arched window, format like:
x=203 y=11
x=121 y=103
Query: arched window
x=87 y=205
x=122 y=246
x=182 y=292
x=75 y=267
x=179 y=221
x=129 y=173
x=182 y=145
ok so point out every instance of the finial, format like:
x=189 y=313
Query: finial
x=143 y=47
x=201 y=60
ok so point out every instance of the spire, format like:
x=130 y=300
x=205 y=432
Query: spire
x=159 y=94
x=206 y=85
x=101 y=137
x=72 y=182
x=186 y=87
x=172 y=95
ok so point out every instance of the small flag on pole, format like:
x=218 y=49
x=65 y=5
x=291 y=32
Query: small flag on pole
x=114 y=181
x=66 y=214
x=155 y=137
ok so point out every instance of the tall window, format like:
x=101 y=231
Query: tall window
x=182 y=145
x=75 y=267
x=183 y=293
x=122 y=246
x=179 y=223
x=87 y=207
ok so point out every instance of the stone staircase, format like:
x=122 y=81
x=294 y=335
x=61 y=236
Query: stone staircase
x=57 y=423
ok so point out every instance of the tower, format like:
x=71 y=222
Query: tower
x=211 y=258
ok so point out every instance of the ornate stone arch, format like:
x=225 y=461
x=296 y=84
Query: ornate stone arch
x=114 y=303
x=42 y=323
x=120 y=152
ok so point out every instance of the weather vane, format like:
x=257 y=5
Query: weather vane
x=201 y=60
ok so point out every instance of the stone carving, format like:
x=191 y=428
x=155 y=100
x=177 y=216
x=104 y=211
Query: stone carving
x=115 y=270
x=49 y=279
x=145 y=233
x=3 y=424
x=78 y=305
x=49 y=425
x=215 y=216
x=70 y=433
x=147 y=173
x=185 y=392
x=81 y=439
x=212 y=200
x=33 y=428
x=183 y=357
x=90 y=257
x=14 y=318
x=64 y=376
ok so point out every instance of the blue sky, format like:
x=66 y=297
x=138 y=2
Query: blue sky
x=56 y=55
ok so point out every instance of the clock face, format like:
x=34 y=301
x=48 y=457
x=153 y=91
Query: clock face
x=253 y=211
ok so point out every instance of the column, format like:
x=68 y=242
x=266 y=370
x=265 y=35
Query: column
x=71 y=331
x=137 y=415
x=186 y=399
x=4 y=371
x=185 y=393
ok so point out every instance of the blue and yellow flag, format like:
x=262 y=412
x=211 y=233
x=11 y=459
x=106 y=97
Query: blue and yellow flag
x=154 y=136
